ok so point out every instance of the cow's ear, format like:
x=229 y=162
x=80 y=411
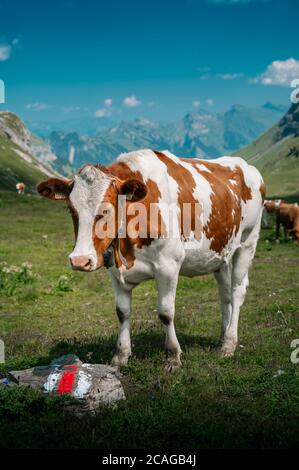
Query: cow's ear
x=55 y=188
x=133 y=189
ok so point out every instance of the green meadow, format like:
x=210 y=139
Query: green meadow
x=250 y=400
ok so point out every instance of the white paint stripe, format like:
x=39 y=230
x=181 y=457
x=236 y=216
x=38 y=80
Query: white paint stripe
x=83 y=385
x=52 y=381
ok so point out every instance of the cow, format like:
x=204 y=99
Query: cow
x=20 y=187
x=287 y=215
x=270 y=207
x=225 y=200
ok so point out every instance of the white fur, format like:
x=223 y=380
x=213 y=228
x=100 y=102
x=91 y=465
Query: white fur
x=89 y=188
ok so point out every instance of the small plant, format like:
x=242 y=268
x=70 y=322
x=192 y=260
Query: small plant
x=12 y=278
x=63 y=284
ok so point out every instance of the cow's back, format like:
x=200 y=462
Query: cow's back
x=229 y=192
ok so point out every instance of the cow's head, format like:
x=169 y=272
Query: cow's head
x=272 y=206
x=92 y=197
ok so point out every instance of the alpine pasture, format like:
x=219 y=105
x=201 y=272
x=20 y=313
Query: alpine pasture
x=46 y=310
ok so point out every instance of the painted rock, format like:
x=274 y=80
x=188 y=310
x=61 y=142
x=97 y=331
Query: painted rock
x=91 y=385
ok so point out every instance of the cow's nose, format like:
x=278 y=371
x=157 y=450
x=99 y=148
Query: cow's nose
x=82 y=263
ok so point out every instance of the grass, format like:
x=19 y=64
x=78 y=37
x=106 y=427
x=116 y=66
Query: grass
x=279 y=169
x=14 y=169
x=243 y=401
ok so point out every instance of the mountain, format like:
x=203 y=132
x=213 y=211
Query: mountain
x=276 y=155
x=20 y=153
x=200 y=133
x=83 y=126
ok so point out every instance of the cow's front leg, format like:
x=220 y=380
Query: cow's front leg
x=166 y=286
x=123 y=310
x=277 y=228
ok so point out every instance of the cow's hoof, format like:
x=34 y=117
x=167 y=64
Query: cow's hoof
x=227 y=350
x=172 y=364
x=227 y=347
x=120 y=360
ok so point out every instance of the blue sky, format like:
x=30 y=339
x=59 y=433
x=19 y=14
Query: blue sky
x=155 y=58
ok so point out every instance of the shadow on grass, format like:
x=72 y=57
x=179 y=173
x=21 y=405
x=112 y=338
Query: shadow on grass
x=145 y=345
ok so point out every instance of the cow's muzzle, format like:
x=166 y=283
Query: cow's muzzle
x=82 y=263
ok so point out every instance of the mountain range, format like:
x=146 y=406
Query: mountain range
x=28 y=158
x=199 y=133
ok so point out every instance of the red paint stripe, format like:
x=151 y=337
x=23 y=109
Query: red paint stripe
x=67 y=380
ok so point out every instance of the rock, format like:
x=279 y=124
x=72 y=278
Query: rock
x=90 y=385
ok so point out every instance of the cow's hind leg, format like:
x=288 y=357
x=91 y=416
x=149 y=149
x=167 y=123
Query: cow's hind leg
x=123 y=299
x=166 y=285
x=239 y=282
x=223 y=278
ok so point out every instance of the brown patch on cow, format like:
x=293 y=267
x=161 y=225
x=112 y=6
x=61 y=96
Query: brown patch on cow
x=124 y=247
x=186 y=185
x=228 y=190
x=263 y=191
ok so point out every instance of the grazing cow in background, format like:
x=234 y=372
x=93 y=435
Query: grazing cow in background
x=287 y=215
x=270 y=207
x=20 y=187
x=219 y=232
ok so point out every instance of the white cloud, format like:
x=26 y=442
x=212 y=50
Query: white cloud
x=210 y=102
x=131 y=102
x=221 y=76
x=196 y=103
x=102 y=112
x=230 y=76
x=71 y=109
x=205 y=76
x=5 y=52
x=106 y=111
x=38 y=106
x=108 y=102
x=279 y=72
x=6 y=49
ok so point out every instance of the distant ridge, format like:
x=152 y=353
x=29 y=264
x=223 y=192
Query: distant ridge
x=276 y=155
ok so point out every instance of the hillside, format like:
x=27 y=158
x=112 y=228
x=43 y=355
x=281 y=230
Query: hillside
x=276 y=155
x=17 y=149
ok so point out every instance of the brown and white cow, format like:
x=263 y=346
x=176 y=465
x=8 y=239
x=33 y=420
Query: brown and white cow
x=287 y=215
x=224 y=198
x=20 y=187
